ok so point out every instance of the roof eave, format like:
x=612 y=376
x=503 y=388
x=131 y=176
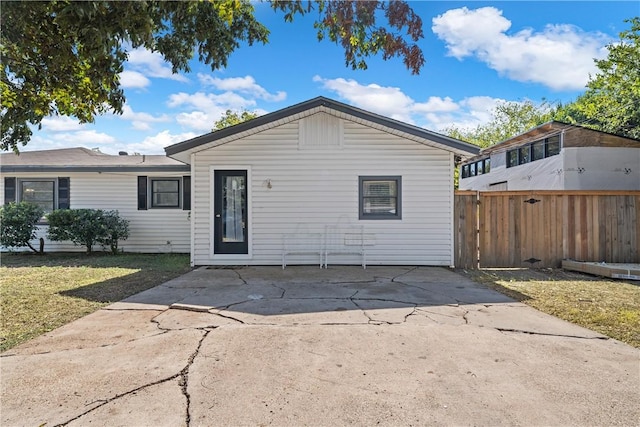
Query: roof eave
x=45 y=168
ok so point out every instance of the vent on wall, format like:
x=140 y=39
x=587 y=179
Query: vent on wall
x=319 y=131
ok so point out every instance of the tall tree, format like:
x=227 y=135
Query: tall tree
x=64 y=57
x=508 y=119
x=611 y=102
x=232 y=118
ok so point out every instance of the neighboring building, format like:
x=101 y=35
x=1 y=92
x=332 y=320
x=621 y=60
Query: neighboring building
x=555 y=156
x=152 y=192
x=316 y=166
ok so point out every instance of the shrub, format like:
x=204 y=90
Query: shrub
x=18 y=224
x=88 y=227
x=116 y=229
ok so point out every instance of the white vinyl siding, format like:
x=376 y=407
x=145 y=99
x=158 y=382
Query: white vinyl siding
x=302 y=190
x=149 y=230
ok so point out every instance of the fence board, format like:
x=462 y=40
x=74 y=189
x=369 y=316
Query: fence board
x=504 y=231
x=465 y=226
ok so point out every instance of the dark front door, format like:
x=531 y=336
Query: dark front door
x=230 y=212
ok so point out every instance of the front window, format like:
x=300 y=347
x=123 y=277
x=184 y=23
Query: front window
x=39 y=192
x=165 y=193
x=380 y=197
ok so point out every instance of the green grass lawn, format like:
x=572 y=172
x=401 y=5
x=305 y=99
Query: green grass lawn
x=39 y=293
x=608 y=306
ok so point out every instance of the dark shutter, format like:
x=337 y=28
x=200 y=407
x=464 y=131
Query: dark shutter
x=142 y=193
x=186 y=193
x=9 y=190
x=64 y=194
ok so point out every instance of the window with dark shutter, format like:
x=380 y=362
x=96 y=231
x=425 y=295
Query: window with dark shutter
x=186 y=193
x=9 y=190
x=64 y=195
x=142 y=193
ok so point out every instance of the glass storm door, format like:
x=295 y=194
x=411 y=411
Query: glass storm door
x=230 y=212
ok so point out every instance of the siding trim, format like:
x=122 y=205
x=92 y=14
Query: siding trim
x=452 y=210
x=192 y=213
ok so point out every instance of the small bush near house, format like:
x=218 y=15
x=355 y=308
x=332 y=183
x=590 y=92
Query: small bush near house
x=88 y=227
x=18 y=224
x=116 y=229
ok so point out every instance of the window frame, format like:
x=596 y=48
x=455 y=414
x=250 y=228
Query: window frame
x=547 y=142
x=380 y=216
x=477 y=168
x=513 y=162
x=465 y=171
x=180 y=192
x=524 y=154
x=54 y=190
x=530 y=148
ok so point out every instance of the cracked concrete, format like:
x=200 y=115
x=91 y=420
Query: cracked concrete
x=304 y=346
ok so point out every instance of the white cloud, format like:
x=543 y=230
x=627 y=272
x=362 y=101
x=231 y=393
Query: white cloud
x=133 y=79
x=388 y=101
x=206 y=101
x=151 y=64
x=435 y=113
x=60 y=124
x=155 y=144
x=436 y=104
x=141 y=121
x=246 y=84
x=199 y=120
x=560 y=56
x=206 y=108
x=86 y=138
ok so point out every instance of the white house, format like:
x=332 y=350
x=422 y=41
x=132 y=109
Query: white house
x=152 y=192
x=555 y=156
x=322 y=174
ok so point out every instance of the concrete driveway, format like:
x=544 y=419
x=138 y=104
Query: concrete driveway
x=304 y=346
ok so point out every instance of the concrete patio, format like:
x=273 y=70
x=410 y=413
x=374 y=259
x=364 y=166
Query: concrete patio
x=305 y=346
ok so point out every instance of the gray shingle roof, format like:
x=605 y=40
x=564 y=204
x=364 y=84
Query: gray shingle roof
x=83 y=160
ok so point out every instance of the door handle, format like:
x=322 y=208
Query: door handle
x=217 y=215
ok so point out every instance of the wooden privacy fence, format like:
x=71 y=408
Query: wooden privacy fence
x=541 y=228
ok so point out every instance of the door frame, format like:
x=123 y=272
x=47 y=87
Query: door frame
x=229 y=257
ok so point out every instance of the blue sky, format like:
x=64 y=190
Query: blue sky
x=477 y=54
